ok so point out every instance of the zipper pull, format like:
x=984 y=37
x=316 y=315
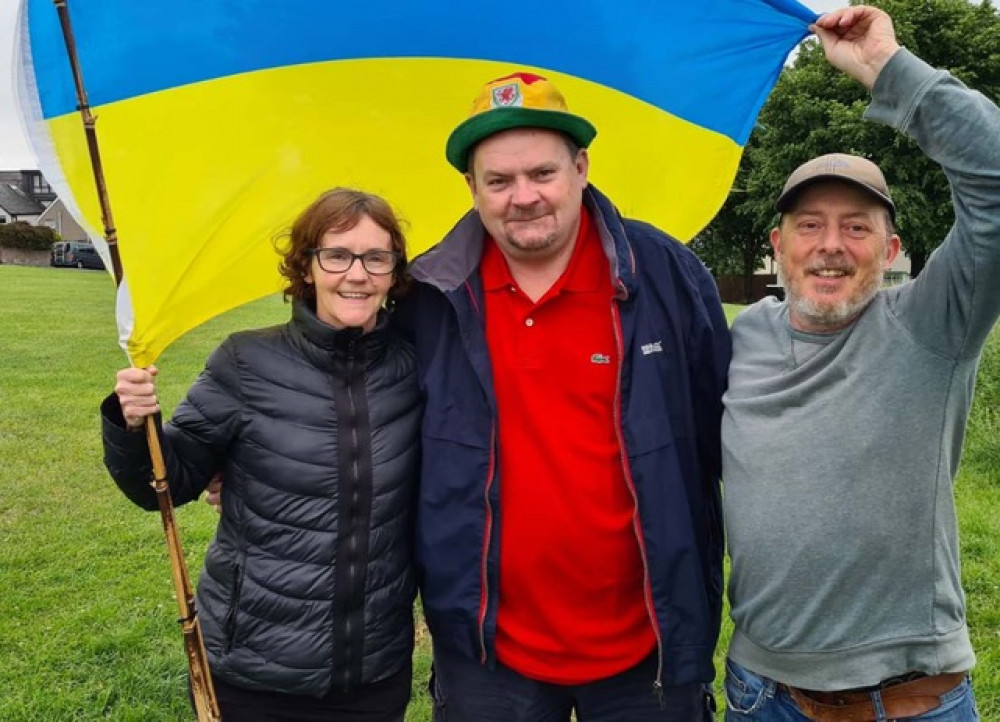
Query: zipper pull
x=658 y=693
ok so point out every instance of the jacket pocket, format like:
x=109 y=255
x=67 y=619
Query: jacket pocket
x=230 y=624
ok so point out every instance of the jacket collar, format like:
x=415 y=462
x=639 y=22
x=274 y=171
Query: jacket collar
x=453 y=261
x=338 y=342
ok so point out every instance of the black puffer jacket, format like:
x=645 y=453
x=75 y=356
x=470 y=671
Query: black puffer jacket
x=308 y=585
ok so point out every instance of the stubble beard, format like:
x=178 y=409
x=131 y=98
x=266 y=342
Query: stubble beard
x=531 y=240
x=531 y=245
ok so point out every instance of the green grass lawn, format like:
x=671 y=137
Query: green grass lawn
x=87 y=629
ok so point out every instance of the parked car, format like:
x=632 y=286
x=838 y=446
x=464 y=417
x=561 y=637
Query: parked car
x=75 y=254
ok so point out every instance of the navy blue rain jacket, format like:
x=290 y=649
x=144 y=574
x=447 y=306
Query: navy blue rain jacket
x=675 y=346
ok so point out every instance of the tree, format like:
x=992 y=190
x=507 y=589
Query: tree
x=816 y=109
x=733 y=244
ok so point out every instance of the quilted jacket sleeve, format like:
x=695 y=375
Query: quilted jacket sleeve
x=195 y=441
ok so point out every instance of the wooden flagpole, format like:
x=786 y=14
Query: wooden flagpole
x=203 y=692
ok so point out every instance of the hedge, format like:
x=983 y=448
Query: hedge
x=26 y=236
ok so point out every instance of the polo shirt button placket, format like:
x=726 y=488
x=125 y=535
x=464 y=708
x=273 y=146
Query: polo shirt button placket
x=529 y=322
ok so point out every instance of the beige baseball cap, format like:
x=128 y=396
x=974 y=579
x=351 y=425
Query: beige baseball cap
x=837 y=166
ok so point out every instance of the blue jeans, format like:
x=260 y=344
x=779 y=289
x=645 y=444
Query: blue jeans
x=465 y=691
x=751 y=698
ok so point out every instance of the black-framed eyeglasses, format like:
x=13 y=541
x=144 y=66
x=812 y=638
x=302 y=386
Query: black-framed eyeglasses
x=340 y=260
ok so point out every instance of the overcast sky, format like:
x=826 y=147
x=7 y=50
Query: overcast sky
x=14 y=151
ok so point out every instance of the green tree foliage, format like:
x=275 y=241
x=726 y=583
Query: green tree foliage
x=732 y=244
x=24 y=235
x=816 y=109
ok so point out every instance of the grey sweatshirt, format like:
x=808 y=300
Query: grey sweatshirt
x=840 y=449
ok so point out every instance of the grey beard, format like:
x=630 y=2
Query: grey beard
x=840 y=313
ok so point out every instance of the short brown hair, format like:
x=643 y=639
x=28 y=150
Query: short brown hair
x=338 y=210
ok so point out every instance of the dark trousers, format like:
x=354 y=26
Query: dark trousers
x=465 y=691
x=382 y=701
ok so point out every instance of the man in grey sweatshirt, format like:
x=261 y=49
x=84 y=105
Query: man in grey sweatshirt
x=845 y=417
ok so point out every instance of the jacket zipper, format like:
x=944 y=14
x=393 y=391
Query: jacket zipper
x=352 y=540
x=484 y=584
x=647 y=586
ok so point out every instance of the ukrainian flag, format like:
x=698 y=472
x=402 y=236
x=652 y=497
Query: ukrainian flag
x=218 y=121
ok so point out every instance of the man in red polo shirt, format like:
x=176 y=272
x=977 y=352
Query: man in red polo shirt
x=568 y=622
x=573 y=363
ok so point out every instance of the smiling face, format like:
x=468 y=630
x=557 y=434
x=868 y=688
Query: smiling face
x=353 y=297
x=528 y=189
x=832 y=248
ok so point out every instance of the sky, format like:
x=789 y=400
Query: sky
x=15 y=154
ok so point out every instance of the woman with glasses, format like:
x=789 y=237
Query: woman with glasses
x=306 y=596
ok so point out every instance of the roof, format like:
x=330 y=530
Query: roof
x=58 y=217
x=16 y=203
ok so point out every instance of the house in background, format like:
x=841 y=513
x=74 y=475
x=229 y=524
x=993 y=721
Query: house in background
x=59 y=220
x=26 y=196
x=31 y=183
x=899 y=271
x=16 y=205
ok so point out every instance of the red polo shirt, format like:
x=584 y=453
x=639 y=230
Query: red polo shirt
x=572 y=607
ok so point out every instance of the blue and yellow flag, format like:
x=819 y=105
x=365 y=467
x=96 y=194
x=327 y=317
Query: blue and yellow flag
x=219 y=121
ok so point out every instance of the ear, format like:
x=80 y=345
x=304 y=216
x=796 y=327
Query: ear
x=892 y=249
x=776 y=240
x=582 y=164
x=470 y=181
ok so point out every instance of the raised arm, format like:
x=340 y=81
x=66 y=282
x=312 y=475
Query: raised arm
x=857 y=40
